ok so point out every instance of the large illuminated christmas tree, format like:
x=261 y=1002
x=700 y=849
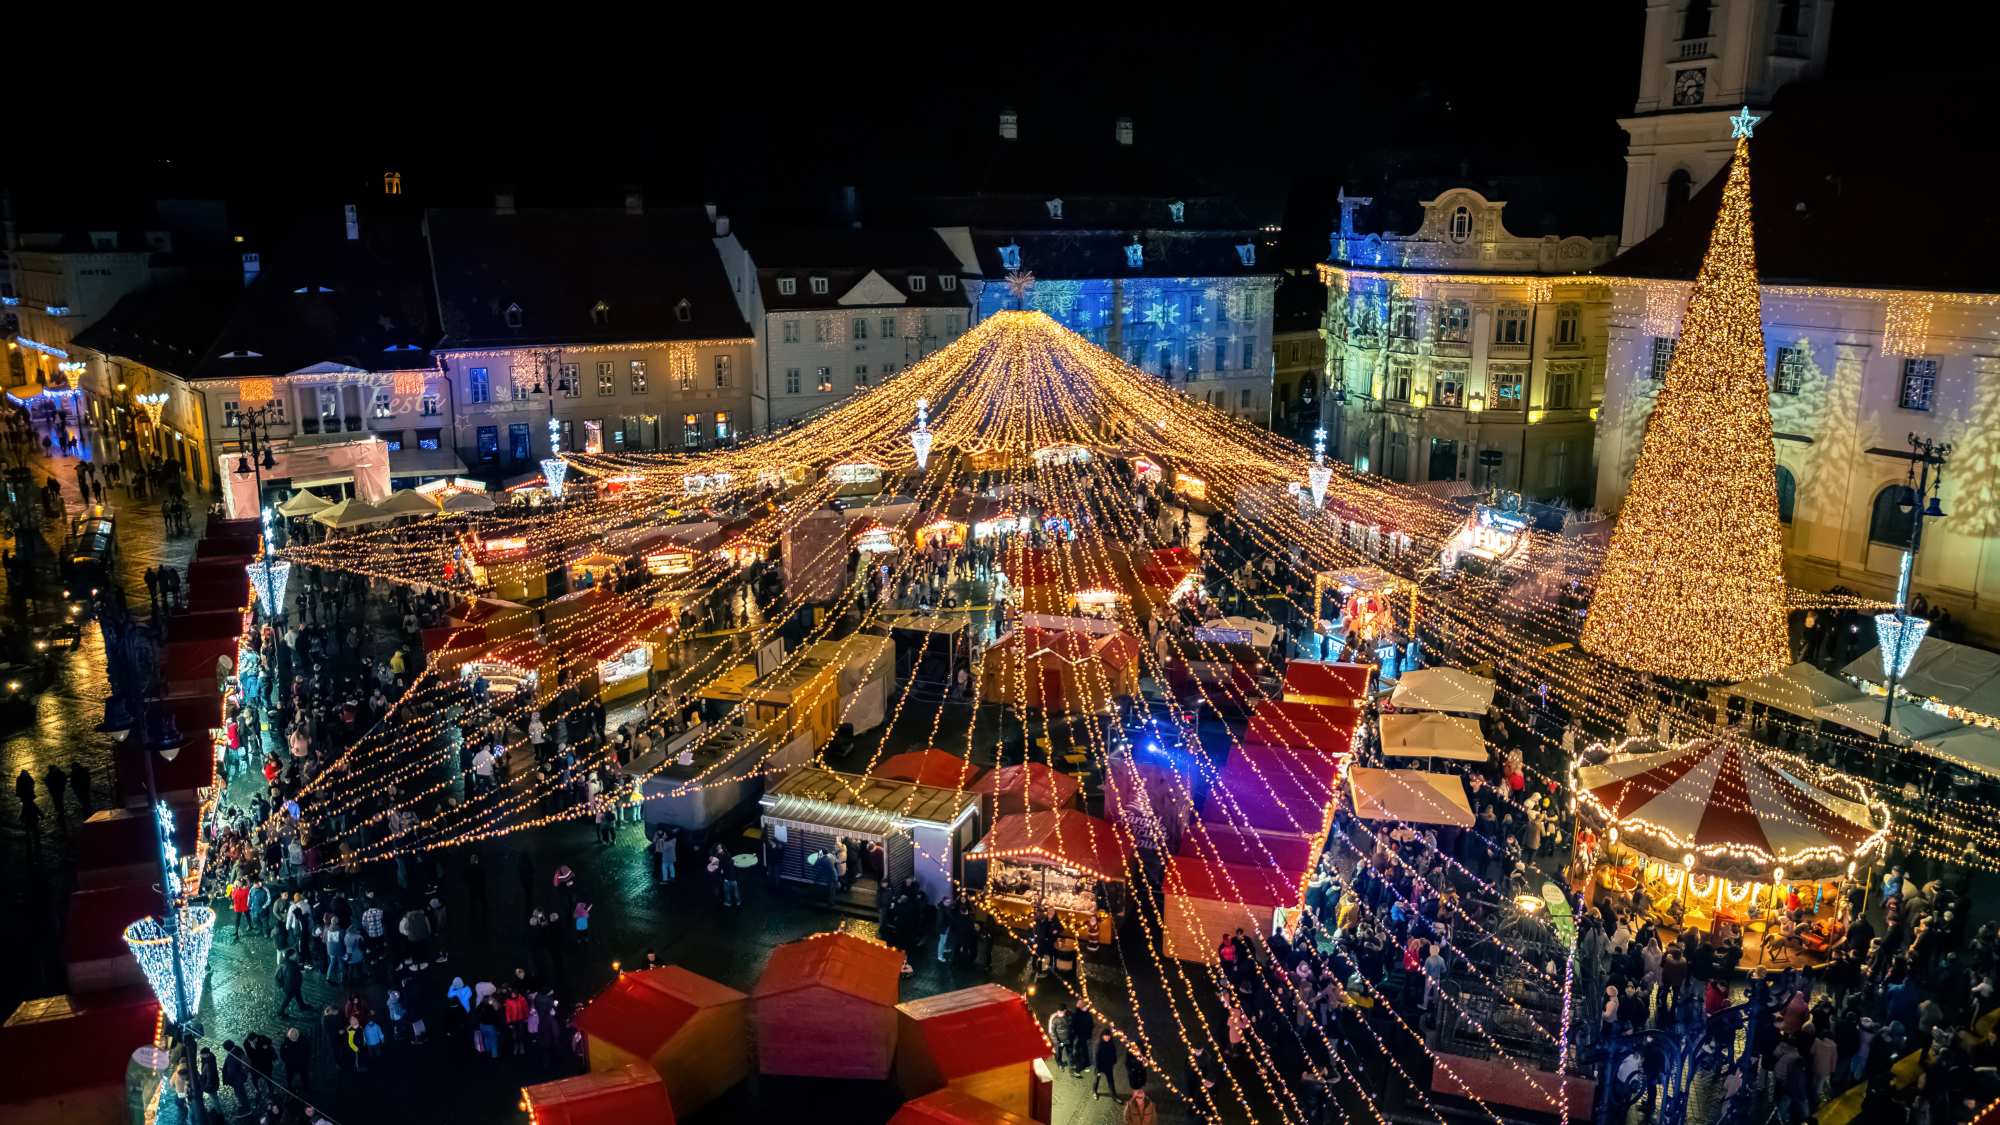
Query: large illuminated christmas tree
x=1693 y=586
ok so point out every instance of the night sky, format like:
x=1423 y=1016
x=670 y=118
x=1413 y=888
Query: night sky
x=771 y=115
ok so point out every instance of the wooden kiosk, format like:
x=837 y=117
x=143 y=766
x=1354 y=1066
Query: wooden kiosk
x=694 y=1032
x=630 y=1095
x=826 y=1008
x=981 y=1041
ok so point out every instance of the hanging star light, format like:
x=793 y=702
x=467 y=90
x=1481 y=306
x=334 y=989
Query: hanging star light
x=1319 y=475
x=1693 y=585
x=268 y=579
x=1018 y=283
x=1742 y=124
x=153 y=946
x=921 y=437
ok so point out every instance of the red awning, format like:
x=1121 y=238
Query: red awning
x=1069 y=838
x=1193 y=877
x=1323 y=682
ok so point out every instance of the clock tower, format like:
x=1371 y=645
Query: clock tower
x=1703 y=61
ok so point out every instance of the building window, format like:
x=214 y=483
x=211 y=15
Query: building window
x=519 y=442
x=916 y=283
x=638 y=376
x=1555 y=465
x=384 y=407
x=951 y=324
x=888 y=369
x=606 y=382
x=691 y=429
x=517 y=386
x=1396 y=388
x=489 y=443
x=513 y=316
x=791 y=332
x=1461 y=224
x=1788 y=494
x=787 y=286
x=888 y=328
x=478 y=388
x=822 y=330
x=1510 y=325
x=1694 y=23
x=1663 y=357
x=860 y=374
x=1454 y=323
x=1249 y=397
x=825 y=380
x=1506 y=381
x=721 y=425
x=429 y=405
x=593 y=435
x=1680 y=186
x=1888 y=523
x=427 y=439
x=568 y=432
x=725 y=370
x=861 y=328
x=1919 y=382
x=1448 y=385
x=1402 y=321
x=685 y=365
x=791 y=380
x=600 y=313
x=684 y=311
x=1569 y=326
x=947 y=282
x=818 y=284
x=1561 y=391
x=1788 y=371
x=1249 y=353
x=231 y=415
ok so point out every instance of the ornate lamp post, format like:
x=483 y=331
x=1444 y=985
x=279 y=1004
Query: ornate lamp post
x=253 y=437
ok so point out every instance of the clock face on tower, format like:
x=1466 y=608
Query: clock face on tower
x=1688 y=85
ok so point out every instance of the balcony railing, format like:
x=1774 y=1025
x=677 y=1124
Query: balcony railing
x=1790 y=47
x=1693 y=49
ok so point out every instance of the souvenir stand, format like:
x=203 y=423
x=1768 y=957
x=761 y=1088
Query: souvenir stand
x=1713 y=828
x=633 y=1094
x=1369 y=592
x=505 y=565
x=694 y=1032
x=1208 y=899
x=1069 y=861
x=826 y=1008
x=982 y=1041
x=922 y=830
x=592 y=568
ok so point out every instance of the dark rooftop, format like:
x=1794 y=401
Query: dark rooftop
x=168 y=330
x=558 y=266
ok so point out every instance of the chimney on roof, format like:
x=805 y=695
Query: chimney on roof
x=353 y=223
x=710 y=208
x=252 y=263
x=722 y=226
x=635 y=200
x=503 y=200
x=1010 y=124
x=1124 y=130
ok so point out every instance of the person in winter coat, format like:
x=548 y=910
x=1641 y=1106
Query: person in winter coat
x=1141 y=1110
x=290 y=980
x=295 y=1051
x=1081 y=1023
x=235 y=1073
x=1106 y=1061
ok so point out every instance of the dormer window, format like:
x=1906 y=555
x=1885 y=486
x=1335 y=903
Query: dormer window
x=947 y=282
x=1178 y=211
x=1010 y=256
x=684 y=311
x=1055 y=208
x=600 y=313
x=917 y=283
x=312 y=289
x=817 y=284
x=513 y=316
x=104 y=240
x=1461 y=224
x=788 y=286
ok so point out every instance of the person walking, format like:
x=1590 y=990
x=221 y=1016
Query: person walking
x=665 y=843
x=291 y=978
x=295 y=1051
x=1106 y=1064
x=79 y=783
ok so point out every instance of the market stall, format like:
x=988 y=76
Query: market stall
x=826 y=1008
x=1410 y=796
x=1207 y=900
x=931 y=648
x=1432 y=734
x=505 y=565
x=693 y=1032
x=929 y=766
x=1327 y=683
x=1443 y=689
x=1711 y=821
x=865 y=678
x=1227 y=676
x=593 y=567
x=632 y=1094
x=1068 y=861
x=707 y=775
x=1810 y=694
x=1274 y=788
x=1365 y=594
x=982 y=1041
x=922 y=830
x=1030 y=786
x=1329 y=730
x=1066 y=672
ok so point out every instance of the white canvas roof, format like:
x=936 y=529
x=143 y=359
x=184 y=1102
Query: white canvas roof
x=1431 y=734
x=1410 y=795
x=1961 y=676
x=1806 y=691
x=1442 y=689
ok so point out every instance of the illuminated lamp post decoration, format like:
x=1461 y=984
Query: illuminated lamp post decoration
x=269 y=579
x=921 y=437
x=1319 y=475
x=1693 y=586
x=1899 y=634
x=153 y=945
x=555 y=469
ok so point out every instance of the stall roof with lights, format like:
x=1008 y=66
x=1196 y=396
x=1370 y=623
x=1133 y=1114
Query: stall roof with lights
x=1443 y=689
x=1808 y=692
x=1073 y=839
x=1412 y=796
x=1432 y=734
x=1953 y=674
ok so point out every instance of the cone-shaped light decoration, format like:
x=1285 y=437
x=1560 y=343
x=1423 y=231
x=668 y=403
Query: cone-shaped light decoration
x=554 y=470
x=1693 y=585
x=268 y=579
x=1899 y=640
x=920 y=438
x=1319 y=475
x=152 y=945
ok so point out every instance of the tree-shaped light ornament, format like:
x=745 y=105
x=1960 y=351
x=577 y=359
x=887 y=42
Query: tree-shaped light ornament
x=268 y=579
x=1319 y=474
x=154 y=948
x=1900 y=637
x=1693 y=586
x=554 y=469
x=920 y=438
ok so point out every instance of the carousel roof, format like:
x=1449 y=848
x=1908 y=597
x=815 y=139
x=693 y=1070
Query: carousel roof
x=1717 y=796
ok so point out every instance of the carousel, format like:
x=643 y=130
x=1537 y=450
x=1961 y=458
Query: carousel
x=1722 y=835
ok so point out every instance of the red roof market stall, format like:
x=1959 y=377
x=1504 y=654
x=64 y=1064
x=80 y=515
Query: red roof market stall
x=1208 y=900
x=694 y=1032
x=1292 y=851
x=826 y=1008
x=194 y=642
x=94 y=950
x=1325 y=682
x=67 y=1056
x=1274 y=788
x=929 y=766
x=981 y=1041
x=1031 y=785
x=1329 y=730
x=1067 y=860
x=1060 y=670
x=952 y=1107
x=241 y=549
x=217 y=584
x=631 y=1095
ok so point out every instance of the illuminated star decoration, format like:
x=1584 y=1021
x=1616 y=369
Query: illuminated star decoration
x=1742 y=123
x=1018 y=283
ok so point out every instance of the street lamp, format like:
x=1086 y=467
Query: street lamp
x=1899 y=634
x=253 y=437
